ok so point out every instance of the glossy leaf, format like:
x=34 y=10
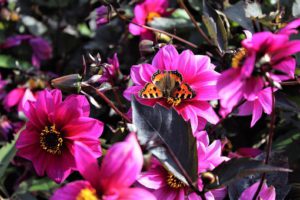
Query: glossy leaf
x=236 y=168
x=277 y=179
x=237 y=13
x=158 y=126
x=215 y=26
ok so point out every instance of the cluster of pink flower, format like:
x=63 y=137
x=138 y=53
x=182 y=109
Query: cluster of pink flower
x=60 y=137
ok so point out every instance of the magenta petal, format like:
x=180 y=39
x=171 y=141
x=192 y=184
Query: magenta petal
x=70 y=191
x=83 y=127
x=257 y=112
x=290 y=27
x=203 y=63
x=204 y=78
x=135 y=75
x=252 y=87
x=185 y=63
x=60 y=167
x=288 y=49
x=28 y=96
x=146 y=72
x=122 y=164
x=204 y=110
x=133 y=90
x=153 y=178
x=86 y=164
x=164 y=57
x=268 y=194
x=13 y=97
x=287 y=66
x=168 y=193
x=229 y=87
x=246 y=108
x=135 y=194
x=249 y=64
x=72 y=107
x=265 y=99
x=28 y=136
x=264 y=193
x=206 y=93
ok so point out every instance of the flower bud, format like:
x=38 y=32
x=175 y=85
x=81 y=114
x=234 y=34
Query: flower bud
x=146 y=47
x=69 y=83
x=102 y=15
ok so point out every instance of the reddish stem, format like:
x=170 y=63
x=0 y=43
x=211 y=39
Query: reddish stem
x=156 y=30
x=109 y=103
x=269 y=144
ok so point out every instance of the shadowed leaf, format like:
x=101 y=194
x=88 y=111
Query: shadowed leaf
x=157 y=126
x=215 y=26
x=237 y=13
x=237 y=168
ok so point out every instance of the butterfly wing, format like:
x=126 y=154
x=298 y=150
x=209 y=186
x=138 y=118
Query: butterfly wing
x=184 y=91
x=176 y=76
x=150 y=91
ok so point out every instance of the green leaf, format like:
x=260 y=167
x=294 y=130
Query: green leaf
x=84 y=30
x=44 y=184
x=7 y=153
x=157 y=126
x=9 y=62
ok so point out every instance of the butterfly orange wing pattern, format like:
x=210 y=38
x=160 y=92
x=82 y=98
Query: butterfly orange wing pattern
x=184 y=92
x=150 y=91
x=157 y=76
x=176 y=76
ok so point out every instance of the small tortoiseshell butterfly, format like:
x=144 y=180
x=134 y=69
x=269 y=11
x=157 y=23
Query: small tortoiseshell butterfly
x=167 y=84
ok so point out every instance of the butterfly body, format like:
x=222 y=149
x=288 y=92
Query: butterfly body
x=167 y=84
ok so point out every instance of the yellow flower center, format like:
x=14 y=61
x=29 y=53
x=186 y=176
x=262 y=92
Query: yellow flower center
x=51 y=140
x=174 y=182
x=152 y=15
x=238 y=58
x=87 y=194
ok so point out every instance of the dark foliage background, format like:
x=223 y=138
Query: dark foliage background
x=70 y=27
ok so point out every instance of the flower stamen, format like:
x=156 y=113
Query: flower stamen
x=51 y=140
x=174 y=182
x=87 y=194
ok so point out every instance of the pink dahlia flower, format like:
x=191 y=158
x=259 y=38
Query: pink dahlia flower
x=197 y=74
x=264 y=55
x=266 y=193
x=262 y=103
x=102 y=13
x=41 y=49
x=51 y=131
x=166 y=186
x=19 y=97
x=111 y=71
x=144 y=13
x=112 y=180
